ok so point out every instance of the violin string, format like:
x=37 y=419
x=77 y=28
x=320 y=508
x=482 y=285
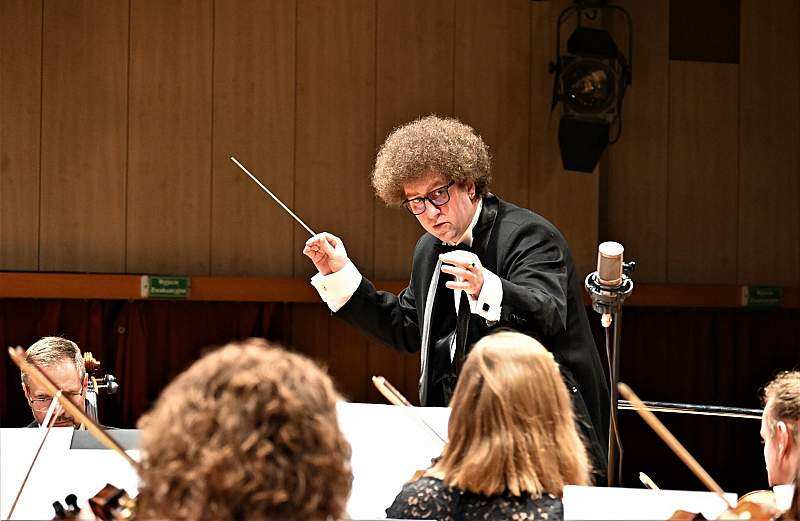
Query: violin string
x=275 y=197
x=51 y=420
x=677 y=408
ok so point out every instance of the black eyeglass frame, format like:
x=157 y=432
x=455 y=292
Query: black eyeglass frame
x=428 y=197
x=42 y=404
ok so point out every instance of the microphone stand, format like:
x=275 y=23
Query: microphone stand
x=607 y=300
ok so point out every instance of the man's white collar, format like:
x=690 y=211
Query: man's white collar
x=466 y=238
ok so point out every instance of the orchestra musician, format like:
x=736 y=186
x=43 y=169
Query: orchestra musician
x=510 y=268
x=247 y=432
x=793 y=512
x=780 y=424
x=61 y=360
x=513 y=443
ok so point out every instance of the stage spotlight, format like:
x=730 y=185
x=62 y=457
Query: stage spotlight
x=590 y=82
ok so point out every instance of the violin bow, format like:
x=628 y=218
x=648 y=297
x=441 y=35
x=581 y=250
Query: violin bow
x=672 y=442
x=395 y=397
x=49 y=421
x=18 y=356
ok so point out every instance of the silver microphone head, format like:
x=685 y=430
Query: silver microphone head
x=609 y=263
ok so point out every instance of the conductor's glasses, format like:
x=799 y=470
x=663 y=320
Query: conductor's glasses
x=437 y=197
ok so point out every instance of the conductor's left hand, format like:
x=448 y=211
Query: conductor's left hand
x=466 y=268
x=327 y=253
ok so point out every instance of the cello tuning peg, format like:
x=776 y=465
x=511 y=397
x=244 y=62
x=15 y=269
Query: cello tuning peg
x=59 y=509
x=111 y=386
x=72 y=502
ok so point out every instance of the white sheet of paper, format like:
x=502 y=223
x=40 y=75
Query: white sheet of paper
x=58 y=471
x=389 y=444
x=590 y=503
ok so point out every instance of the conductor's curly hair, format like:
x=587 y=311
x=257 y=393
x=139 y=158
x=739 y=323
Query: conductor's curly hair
x=247 y=432
x=444 y=145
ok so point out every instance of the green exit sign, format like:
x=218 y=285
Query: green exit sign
x=165 y=287
x=761 y=296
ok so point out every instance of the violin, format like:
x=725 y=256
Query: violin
x=754 y=505
x=110 y=504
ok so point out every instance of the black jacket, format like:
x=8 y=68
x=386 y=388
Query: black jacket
x=541 y=298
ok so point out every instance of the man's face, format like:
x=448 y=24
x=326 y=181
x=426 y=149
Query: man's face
x=779 y=451
x=449 y=221
x=65 y=376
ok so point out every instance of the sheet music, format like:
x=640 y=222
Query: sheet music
x=388 y=446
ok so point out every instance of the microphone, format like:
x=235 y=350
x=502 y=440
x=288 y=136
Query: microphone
x=609 y=264
x=610 y=285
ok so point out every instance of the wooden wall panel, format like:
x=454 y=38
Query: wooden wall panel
x=492 y=86
x=84 y=118
x=169 y=178
x=568 y=199
x=335 y=145
x=253 y=120
x=414 y=78
x=703 y=173
x=635 y=188
x=769 y=132
x=142 y=182
x=20 y=133
x=335 y=126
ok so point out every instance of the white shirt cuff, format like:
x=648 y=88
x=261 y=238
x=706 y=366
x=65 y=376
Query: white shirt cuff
x=490 y=298
x=335 y=289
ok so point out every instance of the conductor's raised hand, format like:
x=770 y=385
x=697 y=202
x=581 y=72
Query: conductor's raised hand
x=466 y=267
x=327 y=253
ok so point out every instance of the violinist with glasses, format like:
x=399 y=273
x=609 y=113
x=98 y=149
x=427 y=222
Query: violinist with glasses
x=61 y=360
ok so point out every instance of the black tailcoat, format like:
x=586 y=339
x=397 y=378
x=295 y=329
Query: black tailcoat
x=541 y=298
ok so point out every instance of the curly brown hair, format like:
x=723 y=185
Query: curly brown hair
x=444 y=145
x=247 y=432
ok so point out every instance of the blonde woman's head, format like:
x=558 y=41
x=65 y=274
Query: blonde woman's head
x=512 y=427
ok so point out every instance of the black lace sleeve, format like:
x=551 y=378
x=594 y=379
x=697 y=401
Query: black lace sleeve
x=426 y=498
x=430 y=498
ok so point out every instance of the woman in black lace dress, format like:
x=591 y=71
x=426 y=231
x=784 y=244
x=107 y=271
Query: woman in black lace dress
x=513 y=442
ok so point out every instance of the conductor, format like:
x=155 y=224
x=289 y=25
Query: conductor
x=482 y=264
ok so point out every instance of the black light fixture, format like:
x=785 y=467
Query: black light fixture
x=590 y=82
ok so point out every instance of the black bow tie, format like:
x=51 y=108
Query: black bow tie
x=441 y=247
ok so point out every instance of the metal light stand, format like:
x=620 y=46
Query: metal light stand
x=608 y=302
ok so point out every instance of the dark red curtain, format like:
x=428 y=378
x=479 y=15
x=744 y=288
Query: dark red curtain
x=143 y=343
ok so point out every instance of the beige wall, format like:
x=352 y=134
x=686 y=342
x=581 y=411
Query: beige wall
x=118 y=119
